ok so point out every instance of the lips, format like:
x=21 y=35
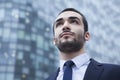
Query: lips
x=66 y=33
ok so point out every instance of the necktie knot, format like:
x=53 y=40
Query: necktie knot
x=68 y=70
x=69 y=64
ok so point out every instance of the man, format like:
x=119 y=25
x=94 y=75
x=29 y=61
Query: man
x=70 y=34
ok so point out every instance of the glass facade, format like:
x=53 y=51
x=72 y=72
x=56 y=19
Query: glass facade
x=26 y=49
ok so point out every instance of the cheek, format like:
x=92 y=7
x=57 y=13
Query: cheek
x=79 y=31
x=57 y=33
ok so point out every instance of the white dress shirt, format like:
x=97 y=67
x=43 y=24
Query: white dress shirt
x=79 y=69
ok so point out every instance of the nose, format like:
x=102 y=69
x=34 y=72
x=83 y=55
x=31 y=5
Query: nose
x=66 y=27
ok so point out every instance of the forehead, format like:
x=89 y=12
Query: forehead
x=68 y=14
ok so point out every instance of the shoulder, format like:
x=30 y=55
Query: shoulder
x=105 y=64
x=111 y=70
x=112 y=67
x=104 y=71
x=107 y=67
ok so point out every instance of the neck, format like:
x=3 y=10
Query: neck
x=69 y=56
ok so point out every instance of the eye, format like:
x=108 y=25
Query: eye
x=59 y=24
x=74 y=21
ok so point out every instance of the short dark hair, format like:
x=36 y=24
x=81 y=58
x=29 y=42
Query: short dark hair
x=83 y=17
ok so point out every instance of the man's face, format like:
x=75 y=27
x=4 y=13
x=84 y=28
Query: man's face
x=69 y=32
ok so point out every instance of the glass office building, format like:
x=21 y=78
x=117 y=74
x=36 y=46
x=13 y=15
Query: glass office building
x=26 y=49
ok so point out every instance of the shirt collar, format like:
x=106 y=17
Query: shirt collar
x=79 y=61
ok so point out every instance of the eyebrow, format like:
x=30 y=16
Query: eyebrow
x=59 y=20
x=74 y=18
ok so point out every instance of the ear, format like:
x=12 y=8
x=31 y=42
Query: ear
x=87 y=36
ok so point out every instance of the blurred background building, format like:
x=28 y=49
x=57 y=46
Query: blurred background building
x=26 y=49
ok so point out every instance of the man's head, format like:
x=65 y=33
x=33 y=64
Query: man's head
x=70 y=30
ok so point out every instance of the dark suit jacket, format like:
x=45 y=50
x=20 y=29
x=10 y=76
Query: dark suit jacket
x=97 y=71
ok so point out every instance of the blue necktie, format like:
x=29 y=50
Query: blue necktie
x=68 y=70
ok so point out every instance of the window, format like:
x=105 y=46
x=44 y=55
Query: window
x=25 y=70
x=9 y=76
x=14 y=25
x=40 y=41
x=2 y=76
x=2 y=68
x=46 y=46
x=2 y=14
x=33 y=36
x=20 y=47
x=22 y=14
x=21 y=34
x=27 y=47
x=13 y=45
x=6 y=32
x=20 y=55
x=10 y=68
x=13 y=35
x=1 y=32
x=7 y=24
x=27 y=37
x=15 y=13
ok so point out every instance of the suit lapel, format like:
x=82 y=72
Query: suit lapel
x=54 y=76
x=93 y=71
